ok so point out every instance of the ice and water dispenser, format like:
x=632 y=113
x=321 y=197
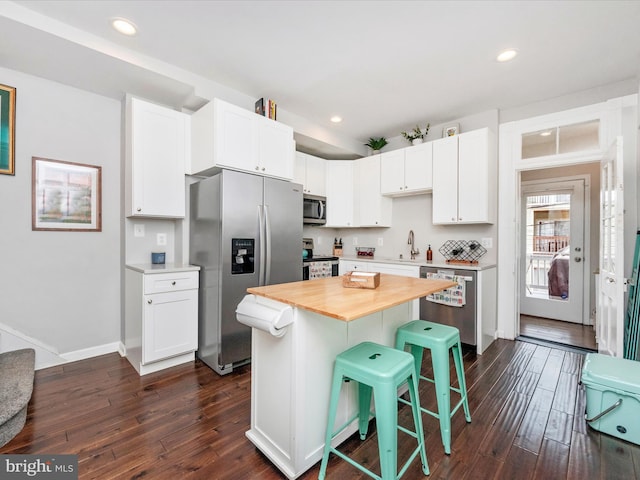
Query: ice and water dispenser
x=242 y=255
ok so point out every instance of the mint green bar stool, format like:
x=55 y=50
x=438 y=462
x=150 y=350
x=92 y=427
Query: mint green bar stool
x=382 y=370
x=438 y=338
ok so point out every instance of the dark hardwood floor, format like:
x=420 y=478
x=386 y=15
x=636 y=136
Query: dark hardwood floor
x=187 y=422
x=567 y=333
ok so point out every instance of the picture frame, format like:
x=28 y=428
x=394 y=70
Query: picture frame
x=451 y=130
x=7 y=129
x=66 y=196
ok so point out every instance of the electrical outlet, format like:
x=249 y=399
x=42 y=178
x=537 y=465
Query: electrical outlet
x=162 y=239
x=138 y=230
x=355 y=240
x=487 y=242
x=380 y=241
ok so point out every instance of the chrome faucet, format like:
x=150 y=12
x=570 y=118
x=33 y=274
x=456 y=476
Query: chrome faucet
x=411 y=241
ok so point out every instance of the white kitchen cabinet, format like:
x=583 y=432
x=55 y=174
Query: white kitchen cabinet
x=161 y=316
x=464 y=178
x=340 y=194
x=374 y=210
x=311 y=172
x=157 y=149
x=345 y=266
x=227 y=136
x=407 y=171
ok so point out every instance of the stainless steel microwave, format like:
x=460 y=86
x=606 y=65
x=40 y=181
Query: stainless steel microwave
x=314 y=210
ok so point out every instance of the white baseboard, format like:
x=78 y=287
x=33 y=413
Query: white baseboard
x=91 y=352
x=46 y=355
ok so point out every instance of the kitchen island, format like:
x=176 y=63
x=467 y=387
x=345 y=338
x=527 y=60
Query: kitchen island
x=292 y=369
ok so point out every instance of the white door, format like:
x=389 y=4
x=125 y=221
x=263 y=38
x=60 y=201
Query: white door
x=610 y=309
x=553 y=219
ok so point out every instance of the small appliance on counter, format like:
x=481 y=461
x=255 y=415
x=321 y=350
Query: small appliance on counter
x=317 y=266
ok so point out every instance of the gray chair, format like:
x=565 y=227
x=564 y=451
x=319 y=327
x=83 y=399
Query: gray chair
x=16 y=386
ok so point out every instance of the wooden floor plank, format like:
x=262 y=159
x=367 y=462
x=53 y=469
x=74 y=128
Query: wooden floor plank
x=188 y=422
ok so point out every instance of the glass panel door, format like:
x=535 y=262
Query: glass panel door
x=553 y=232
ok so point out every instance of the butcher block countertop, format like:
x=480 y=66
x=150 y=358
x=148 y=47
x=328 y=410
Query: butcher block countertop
x=328 y=297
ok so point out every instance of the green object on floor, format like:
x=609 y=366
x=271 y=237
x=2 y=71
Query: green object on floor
x=439 y=339
x=613 y=395
x=380 y=370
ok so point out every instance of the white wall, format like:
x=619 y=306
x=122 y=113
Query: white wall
x=61 y=288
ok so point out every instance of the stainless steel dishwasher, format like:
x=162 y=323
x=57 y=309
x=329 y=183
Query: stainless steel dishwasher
x=464 y=317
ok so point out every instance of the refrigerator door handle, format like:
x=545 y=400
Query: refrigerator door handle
x=267 y=235
x=261 y=266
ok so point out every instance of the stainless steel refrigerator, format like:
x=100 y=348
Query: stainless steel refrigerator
x=245 y=231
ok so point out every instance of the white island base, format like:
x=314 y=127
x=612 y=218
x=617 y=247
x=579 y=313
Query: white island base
x=291 y=381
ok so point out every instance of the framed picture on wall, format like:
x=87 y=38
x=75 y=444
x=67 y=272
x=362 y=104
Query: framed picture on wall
x=451 y=130
x=7 y=129
x=65 y=196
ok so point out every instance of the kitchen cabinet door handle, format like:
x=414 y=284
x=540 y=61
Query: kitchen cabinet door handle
x=149 y=302
x=138 y=209
x=173 y=283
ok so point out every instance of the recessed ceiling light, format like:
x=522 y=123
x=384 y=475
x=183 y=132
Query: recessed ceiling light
x=124 y=26
x=507 y=55
x=336 y=119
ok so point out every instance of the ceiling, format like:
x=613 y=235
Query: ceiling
x=381 y=65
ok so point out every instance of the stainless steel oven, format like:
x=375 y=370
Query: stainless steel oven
x=317 y=266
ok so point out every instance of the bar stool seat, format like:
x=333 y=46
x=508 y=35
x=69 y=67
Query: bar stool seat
x=381 y=370
x=439 y=339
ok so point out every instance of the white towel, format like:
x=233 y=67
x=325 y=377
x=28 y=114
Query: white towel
x=319 y=270
x=454 y=296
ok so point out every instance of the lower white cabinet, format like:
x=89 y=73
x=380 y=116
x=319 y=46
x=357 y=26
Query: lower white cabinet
x=161 y=316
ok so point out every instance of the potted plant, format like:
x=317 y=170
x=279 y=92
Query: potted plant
x=416 y=135
x=376 y=144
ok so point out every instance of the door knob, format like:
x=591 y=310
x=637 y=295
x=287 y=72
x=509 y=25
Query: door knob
x=578 y=259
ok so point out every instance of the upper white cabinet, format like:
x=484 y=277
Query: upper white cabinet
x=464 y=178
x=407 y=171
x=157 y=149
x=227 y=136
x=353 y=194
x=373 y=209
x=340 y=194
x=311 y=172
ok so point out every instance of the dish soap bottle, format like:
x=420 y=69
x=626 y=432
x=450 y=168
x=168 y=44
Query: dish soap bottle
x=429 y=255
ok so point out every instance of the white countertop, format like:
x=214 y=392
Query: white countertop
x=148 y=268
x=420 y=263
